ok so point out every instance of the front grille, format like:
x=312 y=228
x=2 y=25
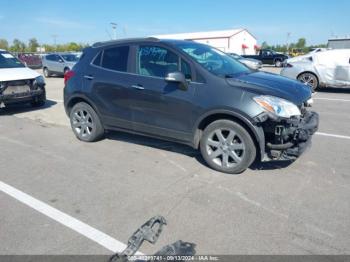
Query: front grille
x=16 y=86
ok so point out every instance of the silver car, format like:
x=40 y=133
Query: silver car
x=249 y=62
x=58 y=63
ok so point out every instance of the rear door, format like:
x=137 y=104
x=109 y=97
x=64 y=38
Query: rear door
x=55 y=65
x=159 y=107
x=49 y=62
x=107 y=82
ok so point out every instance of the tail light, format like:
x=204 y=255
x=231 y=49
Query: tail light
x=68 y=76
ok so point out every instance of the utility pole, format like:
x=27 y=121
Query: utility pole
x=114 y=28
x=288 y=36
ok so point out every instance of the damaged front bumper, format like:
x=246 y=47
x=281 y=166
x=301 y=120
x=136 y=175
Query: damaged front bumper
x=28 y=92
x=287 y=139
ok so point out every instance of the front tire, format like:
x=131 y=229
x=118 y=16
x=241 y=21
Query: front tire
x=227 y=147
x=85 y=123
x=39 y=101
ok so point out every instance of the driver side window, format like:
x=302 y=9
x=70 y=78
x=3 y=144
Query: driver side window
x=156 y=61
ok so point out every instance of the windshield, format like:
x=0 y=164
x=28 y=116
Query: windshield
x=215 y=61
x=9 y=61
x=70 y=58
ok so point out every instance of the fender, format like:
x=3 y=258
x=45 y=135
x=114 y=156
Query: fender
x=82 y=97
x=256 y=130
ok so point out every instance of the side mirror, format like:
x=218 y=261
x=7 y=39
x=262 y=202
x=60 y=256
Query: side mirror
x=60 y=61
x=177 y=77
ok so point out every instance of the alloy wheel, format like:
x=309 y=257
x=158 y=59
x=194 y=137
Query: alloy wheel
x=225 y=148
x=309 y=79
x=82 y=123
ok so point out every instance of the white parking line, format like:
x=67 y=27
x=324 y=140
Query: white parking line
x=84 y=229
x=332 y=135
x=331 y=99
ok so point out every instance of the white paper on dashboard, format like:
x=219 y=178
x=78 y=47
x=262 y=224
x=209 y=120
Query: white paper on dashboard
x=7 y=55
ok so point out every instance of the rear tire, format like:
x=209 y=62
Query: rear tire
x=66 y=70
x=310 y=79
x=47 y=73
x=85 y=123
x=278 y=63
x=227 y=147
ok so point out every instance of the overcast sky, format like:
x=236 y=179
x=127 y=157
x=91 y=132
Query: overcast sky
x=84 y=21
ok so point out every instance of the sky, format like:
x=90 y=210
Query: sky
x=89 y=21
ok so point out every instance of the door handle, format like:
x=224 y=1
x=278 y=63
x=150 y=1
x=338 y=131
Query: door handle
x=139 y=87
x=89 y=77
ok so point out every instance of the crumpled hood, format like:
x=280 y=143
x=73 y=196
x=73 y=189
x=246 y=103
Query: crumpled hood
x=274 y=85
x=10 y=74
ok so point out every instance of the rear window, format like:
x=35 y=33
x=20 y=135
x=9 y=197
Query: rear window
x=116 y=58
x=9 y=61
x=98 y=59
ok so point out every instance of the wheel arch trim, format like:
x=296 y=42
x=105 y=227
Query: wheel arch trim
x=256 y=131
x=68 y=105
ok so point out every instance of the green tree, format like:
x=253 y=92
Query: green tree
x=73 y=47
x=301 y=43
x=264 y=45
x=18 y=46
x=4 y=44
x=33 y=45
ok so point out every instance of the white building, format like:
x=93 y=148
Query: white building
x=238 y=41
x=339 y=43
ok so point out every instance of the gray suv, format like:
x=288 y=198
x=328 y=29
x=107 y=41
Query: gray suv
x=189 y=93
x=59 y=63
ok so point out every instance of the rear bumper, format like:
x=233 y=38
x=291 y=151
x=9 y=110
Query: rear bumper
x=294 y=137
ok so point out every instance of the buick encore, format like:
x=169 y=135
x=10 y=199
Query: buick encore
x=189 y=93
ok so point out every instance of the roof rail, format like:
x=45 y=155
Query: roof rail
x=125 y=40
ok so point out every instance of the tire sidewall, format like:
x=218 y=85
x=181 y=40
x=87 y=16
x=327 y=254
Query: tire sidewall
x=313 y=88
x=250 y=148
x=46 y=72
x=278 y=63
x=97 y=131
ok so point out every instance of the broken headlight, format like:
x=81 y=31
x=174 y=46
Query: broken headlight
x=277 y=106
x=40 y=80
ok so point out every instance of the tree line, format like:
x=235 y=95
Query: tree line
x=300 y=44
x=32 y=46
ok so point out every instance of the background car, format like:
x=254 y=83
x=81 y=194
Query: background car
x=329 y=68
x=31 y=60
x=59 y=63
x=18 y=83
x=250 y=62
x=269 y=57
